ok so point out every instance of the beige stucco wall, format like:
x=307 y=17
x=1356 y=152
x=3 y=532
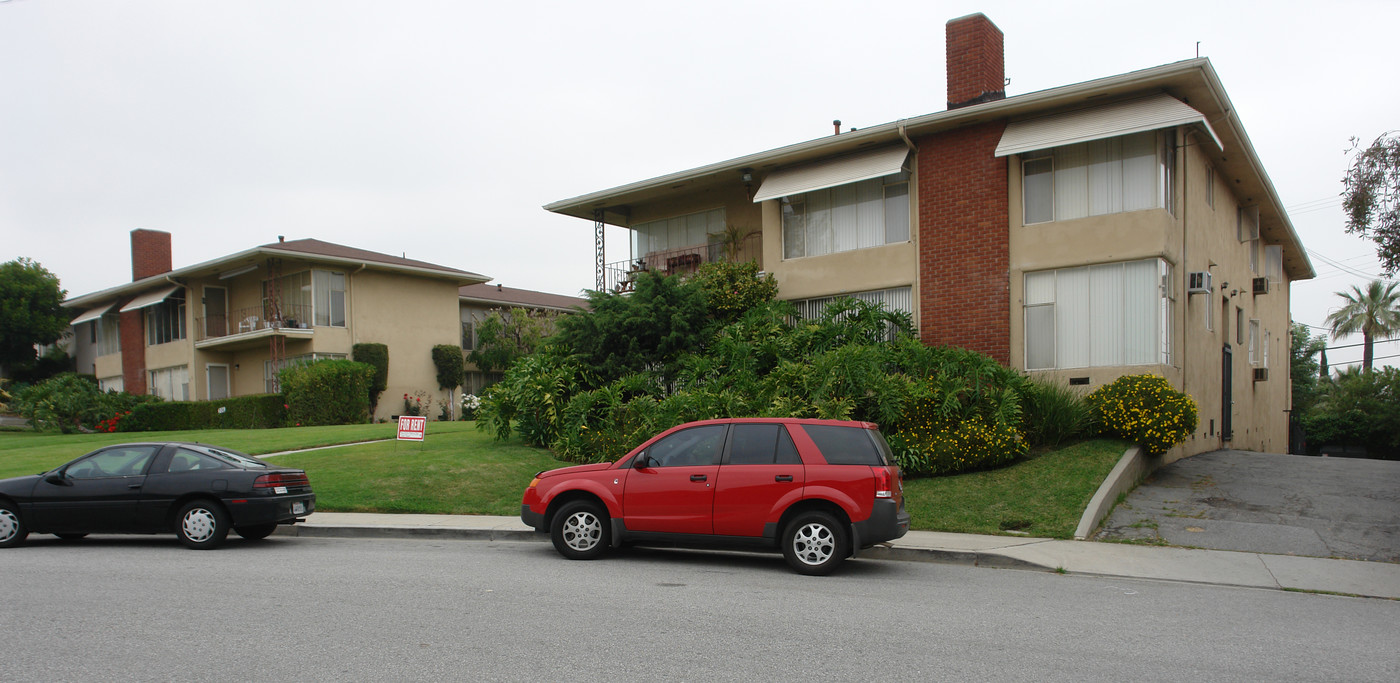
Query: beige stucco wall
x=409 y=315
x=109 y=365
x=1200 y=237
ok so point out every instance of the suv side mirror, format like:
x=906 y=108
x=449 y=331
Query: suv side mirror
x=642 y=461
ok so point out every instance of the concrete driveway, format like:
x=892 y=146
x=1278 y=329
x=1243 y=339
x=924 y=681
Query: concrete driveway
x=1267 y=503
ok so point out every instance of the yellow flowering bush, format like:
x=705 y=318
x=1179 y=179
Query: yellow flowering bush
x=934 y=448
x=1144 y=409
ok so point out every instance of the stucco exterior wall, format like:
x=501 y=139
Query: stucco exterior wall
x=410 y=316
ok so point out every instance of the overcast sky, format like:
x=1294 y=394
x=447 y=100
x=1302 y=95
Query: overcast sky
x=438 y=129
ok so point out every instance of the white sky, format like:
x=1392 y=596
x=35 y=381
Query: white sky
x=438 y=129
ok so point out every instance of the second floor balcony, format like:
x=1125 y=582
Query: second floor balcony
x=620 y=275
x=242 y=325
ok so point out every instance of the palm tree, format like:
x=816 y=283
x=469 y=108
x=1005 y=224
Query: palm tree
x=1374 y=313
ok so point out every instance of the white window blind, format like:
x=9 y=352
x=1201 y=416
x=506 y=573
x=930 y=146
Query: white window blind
x=1112 y=175
x=690 y=230
x=171 y=384
x=866 y=214
x=1103 y=315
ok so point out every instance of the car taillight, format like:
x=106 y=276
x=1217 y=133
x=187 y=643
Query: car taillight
x=271 y=481
x=884 y=483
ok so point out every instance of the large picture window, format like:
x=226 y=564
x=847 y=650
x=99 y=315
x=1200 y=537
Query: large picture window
x=165 y=321
x=1113 y=175
x=869 y=213
x=330 y=298
x=171 y=384
x=691 y=230
x=108 y=333
x=1105 y=315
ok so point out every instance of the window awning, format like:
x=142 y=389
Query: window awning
x=92 y=314
x=832 y=172
x=151 y=298
x=1111 y=120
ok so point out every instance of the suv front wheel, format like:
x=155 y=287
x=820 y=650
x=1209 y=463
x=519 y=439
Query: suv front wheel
x=580 y=530
x=814 y=543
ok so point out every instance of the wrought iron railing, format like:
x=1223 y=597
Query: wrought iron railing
x=252 y=319
x=619 y=275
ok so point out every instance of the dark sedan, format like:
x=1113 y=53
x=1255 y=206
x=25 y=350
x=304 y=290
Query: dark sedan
x=198 y=491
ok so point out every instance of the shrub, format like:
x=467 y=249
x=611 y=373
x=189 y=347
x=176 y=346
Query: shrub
x=376 y=355
x=451 y=367
x=1144 y=409
x=732 y=289
x=259 y=411
x=327 y=392
x=67 y=402
x=531 y=398
x=1358 y=409
x=952 y=447
x=1054 y=413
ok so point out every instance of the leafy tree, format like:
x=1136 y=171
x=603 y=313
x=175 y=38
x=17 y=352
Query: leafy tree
x=1372 y=196
x=1373 y=312
x=451 y=370
x=731 y=289
x=376 y=355
x=1304 y=367
x=31 y=311
x=647 y=329
x=1359 y=410
x=505 y=335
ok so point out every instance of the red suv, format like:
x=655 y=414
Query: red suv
x=818 y=489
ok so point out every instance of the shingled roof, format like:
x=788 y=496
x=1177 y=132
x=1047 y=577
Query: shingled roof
x=501 y=296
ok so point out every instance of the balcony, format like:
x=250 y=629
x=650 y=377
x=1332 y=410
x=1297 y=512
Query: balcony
x=620 y=275
x=246 y=327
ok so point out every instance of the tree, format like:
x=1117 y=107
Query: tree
x=647 y=329
x=31 y=311
x=1304 y=368
x=1373 y=313
x=504 y=336
x=1372 y=196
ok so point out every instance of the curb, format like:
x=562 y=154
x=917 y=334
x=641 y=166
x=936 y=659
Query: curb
x=968 y=558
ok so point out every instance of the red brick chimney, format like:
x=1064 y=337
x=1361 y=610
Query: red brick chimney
x=150 y=253
x=976 y=61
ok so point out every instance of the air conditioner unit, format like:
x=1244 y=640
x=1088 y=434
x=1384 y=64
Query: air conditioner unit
x=1261 y=374
x=1198 y=282
x=1261 y=285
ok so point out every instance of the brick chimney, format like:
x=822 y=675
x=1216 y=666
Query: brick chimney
x=150 y=253
x=976 y=61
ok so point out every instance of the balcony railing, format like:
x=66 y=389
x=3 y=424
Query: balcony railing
x=252 y=319
x=620 y=275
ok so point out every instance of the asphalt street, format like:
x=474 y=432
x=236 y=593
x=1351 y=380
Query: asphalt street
x=308 y=609
x=1268 y=503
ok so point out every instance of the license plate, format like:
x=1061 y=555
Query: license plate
x=298 y=508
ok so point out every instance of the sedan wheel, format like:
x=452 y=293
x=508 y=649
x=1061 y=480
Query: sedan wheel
x=202 y=525
x=814 y=543
x=580 y=531
x=12 y=531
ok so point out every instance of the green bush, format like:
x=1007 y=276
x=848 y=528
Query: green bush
x=1358 y=409
x=67 y=402
x=376 y=355
x=732 y=289
x=259 y=411
x=1144 y=409
x=530 y=398
x=451 y=366
x=327 y=392
x=952 y=447
x=1055 y=413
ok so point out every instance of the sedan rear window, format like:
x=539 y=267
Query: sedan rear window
x=845 y=445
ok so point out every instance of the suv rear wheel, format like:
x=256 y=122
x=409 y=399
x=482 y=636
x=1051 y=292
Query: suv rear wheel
x=580 y=530
x=814 y=543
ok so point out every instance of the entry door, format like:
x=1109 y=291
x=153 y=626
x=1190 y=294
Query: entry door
x=1227 y=401
x=215 y=312
x=218 y=381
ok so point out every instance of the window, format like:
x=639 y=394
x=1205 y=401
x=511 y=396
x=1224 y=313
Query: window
x=477 y=381
x=845 y=445
x=689 y=447
x=171 y=384
x=1239 y=325
x=1210 y=186
x=1114 y=175
x=1264 y=351
x=186 y=460
x=691 y=230
x=762 y=444
x=122 y=461
x=293 y=299
x=1105 y=315
x=109 y=339
x=165 y=321
x=468 y=335
x=1253 y=342
x=869 y=213
x=114 y=383
x=330 y=298
x=270 y=380
x=1210 y=313
x=896 y=299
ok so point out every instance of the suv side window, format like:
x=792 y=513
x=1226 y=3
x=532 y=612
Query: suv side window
x=762 y=444
x=845 y=445
x=689 y=447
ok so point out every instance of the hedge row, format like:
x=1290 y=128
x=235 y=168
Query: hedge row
x=260 y=411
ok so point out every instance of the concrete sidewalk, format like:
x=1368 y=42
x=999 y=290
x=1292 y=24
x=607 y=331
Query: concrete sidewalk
x=1219 y=567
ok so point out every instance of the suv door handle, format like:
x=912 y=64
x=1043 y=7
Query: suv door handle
x=133 y=486
x=783 y=477
x=697 y=477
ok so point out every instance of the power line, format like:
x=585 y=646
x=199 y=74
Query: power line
x=1354 y=362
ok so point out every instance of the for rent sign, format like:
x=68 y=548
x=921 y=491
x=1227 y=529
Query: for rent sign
x=412 y=428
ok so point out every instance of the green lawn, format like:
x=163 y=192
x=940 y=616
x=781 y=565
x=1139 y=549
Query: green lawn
x=458 y=470
x=1044 y=496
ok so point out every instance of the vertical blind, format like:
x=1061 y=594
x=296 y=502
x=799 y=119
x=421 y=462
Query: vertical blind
x=1103 y=315
x=1113 y=175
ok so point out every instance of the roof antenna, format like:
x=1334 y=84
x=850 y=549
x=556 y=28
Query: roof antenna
x=1198 y=49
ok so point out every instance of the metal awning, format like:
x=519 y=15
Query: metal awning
x=1111 y=120
x=832 y=172
x=151 y=298
x=93 y=314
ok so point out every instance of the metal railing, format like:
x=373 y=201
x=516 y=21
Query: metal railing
x=619 y=275
x=251 y=319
